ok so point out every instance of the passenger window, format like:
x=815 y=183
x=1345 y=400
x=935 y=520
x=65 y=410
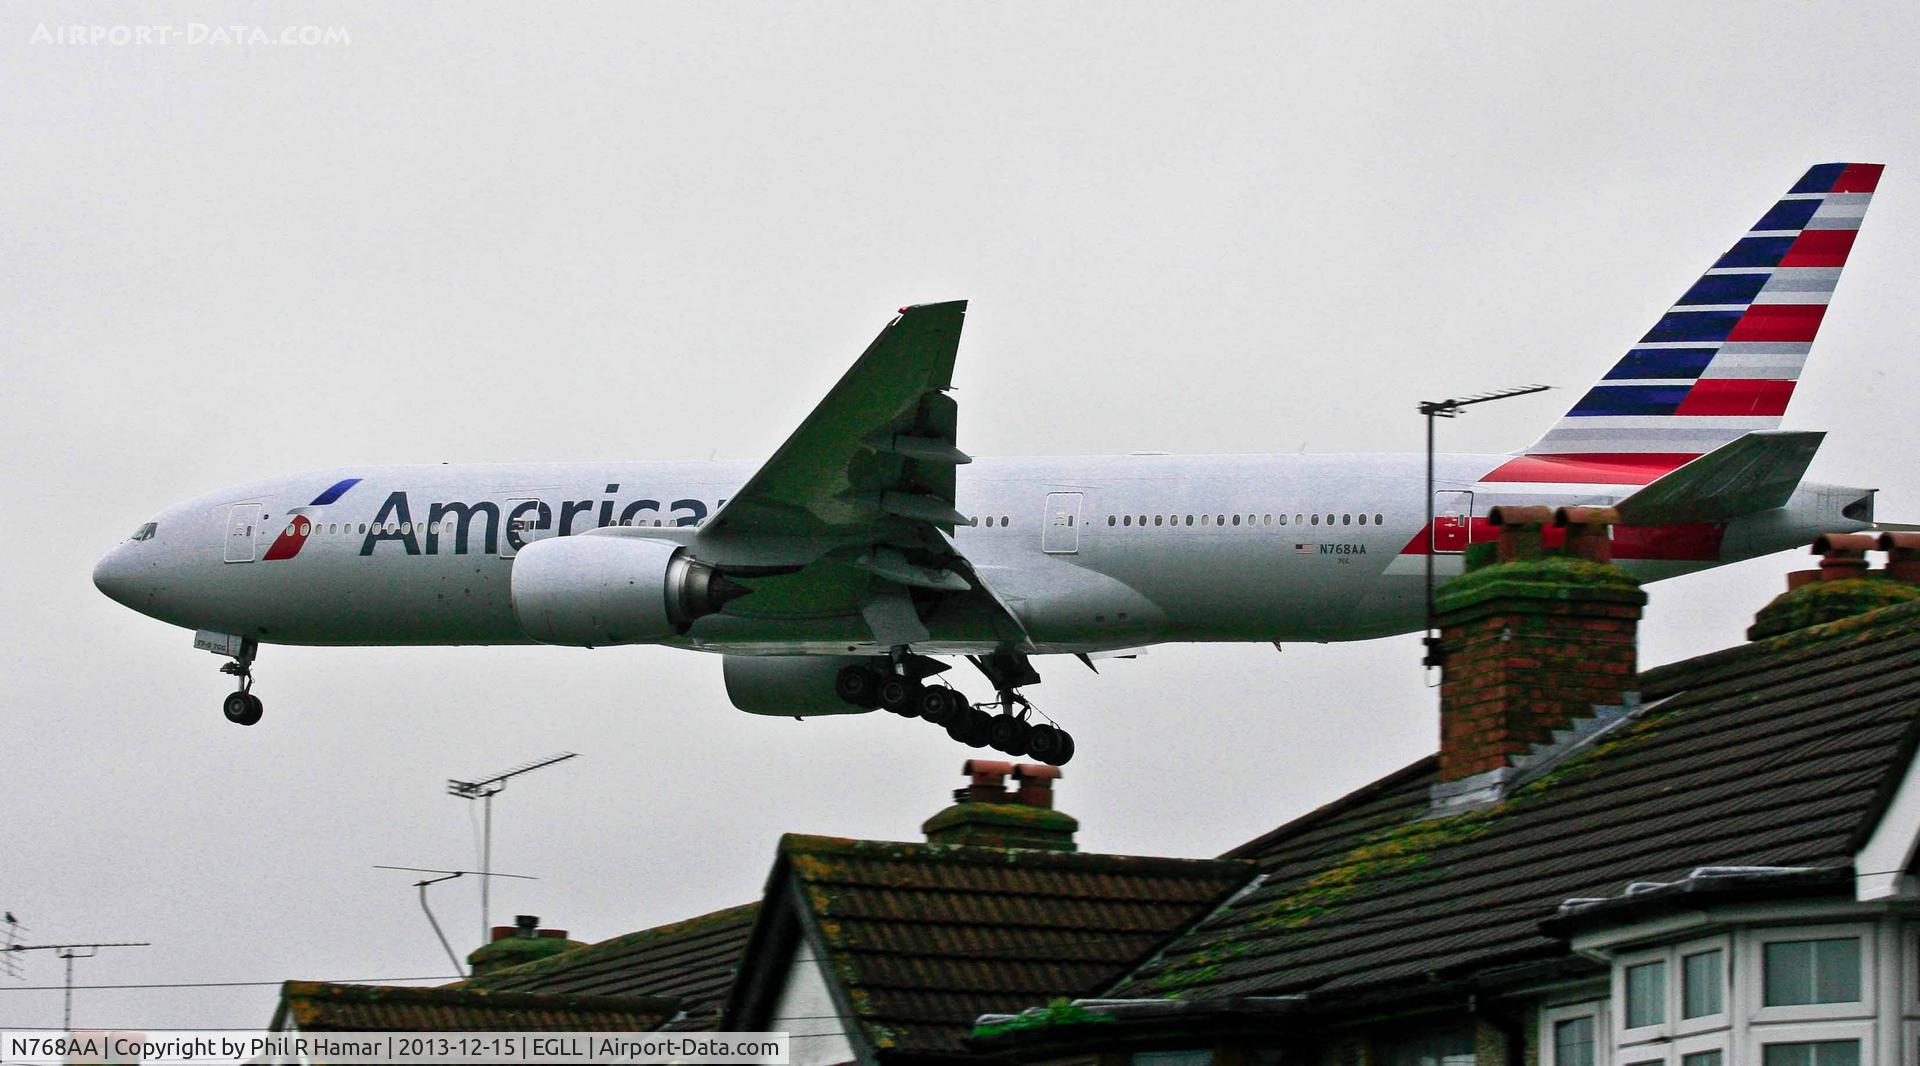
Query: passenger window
x=1189 y=519
x=1157 y=519
x=1206 y=519
x=1283 y=520
x=1316 y=520
x=1236 y=520
x=1266 y=520
x=1363 y=519
x=1379 y=519
x=1003 y=520
x=1299 y=520
x=1219 y=520
x=1329 y=519
x=1346 y=519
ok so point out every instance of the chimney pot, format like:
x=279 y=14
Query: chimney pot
x=1587 y=536
x=1036 y=784
x=1903 y=556
x=989 y=781
x=503 y=932
x=526 y=925
x=1519 y=528
x=1797 y=578
x=1843 y=555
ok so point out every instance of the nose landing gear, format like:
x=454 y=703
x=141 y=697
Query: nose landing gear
x=241 y=707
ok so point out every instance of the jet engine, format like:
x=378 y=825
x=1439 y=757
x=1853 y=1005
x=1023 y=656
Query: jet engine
x=588 y=591
x=793 y=685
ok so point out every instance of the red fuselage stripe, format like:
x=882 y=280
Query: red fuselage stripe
x=1592 y=468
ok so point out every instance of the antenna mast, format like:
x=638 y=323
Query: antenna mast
x=1433 y=409
x=449 y=875
x=71 y=952
x=484 y=789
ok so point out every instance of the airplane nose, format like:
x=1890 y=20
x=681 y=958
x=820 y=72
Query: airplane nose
x=115 y=575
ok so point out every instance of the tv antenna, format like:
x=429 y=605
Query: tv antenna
x=1433 y=409
x=448 y=876
x=9 y=936
x=70 y=952
x=484 y=789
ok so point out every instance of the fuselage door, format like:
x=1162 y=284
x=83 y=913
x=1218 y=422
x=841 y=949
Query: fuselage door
x=1060 y=529
x=523 y=520
x=243 y=522
x=1452 y=521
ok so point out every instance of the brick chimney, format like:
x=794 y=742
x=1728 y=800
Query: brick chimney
x=986 y=814
x=1531 y=643
x=1843 y=585
x=523 y=941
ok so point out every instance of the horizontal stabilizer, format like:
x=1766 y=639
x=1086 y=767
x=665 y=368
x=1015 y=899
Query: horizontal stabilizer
x=1756 y=472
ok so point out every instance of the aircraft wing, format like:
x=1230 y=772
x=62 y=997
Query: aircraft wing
x=1756 y=472
x=878 y=450
x=862 y=493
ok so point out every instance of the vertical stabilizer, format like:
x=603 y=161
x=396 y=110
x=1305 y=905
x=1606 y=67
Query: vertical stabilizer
x=1723 y=360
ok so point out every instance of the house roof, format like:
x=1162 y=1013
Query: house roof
x=692 y=961
x=1781 y=753
x=321 y=1006
x=922 y=939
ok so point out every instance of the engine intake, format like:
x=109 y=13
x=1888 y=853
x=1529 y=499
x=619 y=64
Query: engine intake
x=589 y=591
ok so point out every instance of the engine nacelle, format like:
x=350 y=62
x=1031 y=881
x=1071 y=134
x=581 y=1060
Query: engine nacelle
x=589 y=591
x=790 y=685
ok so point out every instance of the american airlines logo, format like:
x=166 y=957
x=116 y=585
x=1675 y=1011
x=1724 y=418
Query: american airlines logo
x=454 y=527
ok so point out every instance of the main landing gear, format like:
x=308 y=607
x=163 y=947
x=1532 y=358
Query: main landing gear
x=242 y=707
x=904 y=691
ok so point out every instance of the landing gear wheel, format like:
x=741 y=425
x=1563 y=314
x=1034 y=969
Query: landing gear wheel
x=241 y=708
x=899 y=694
x=1009 y=733
x=858 y=685
x=938 y=704
x=1050 y=744
x=970 y=727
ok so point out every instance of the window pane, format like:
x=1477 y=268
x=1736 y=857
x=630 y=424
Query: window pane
x=1702 y=1058
x=1812 y=971
x=1700 y=987
x=1813 y=1053
x=1646 y=994
x=1573 y=1042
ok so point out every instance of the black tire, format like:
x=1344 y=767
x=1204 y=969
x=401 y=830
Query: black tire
x=1065 y=755
x=938 y=704
x=241 y=708
x=1009 y=734
x=858 y=685
x=899 y=694
x=1046 y=742
x=977 y=725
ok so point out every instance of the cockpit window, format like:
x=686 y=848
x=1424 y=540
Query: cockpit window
x=145 y=532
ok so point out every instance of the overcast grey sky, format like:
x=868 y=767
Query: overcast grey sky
x=661 y=231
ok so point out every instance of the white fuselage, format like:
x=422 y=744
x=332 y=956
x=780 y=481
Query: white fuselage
x=1091 y=553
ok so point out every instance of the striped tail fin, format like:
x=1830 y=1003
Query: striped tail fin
x=1722 y=362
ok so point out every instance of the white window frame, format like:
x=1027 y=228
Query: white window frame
x=1721 y=1041
x=1659 y=1030
x=1759 y=1036
x=1550 y=1017
x=1672 y=955
x=1752 y=974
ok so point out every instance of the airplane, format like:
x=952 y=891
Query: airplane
x=835 y=576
